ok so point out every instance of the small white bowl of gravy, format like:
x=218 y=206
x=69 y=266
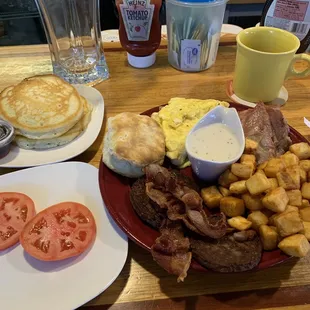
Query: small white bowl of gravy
x=216 y=142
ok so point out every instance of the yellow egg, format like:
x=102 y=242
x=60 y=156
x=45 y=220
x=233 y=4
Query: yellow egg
x=177 y=119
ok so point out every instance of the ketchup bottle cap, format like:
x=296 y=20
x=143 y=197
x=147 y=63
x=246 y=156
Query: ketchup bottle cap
x=141 y=62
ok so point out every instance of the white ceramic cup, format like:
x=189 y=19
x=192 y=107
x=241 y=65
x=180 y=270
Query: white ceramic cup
x=210 y=170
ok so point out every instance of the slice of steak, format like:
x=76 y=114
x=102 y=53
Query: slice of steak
x=172 y=250
x=146 y=209
x=227 y=254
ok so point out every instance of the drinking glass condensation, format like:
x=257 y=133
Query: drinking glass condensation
x=72 y=28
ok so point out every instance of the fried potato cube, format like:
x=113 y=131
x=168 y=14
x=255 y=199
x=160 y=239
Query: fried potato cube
x=303 y=175
x=288 y=223
x=271 y=219
x=301 y=150
x=257 y=184
x=274 y=165
x=232 y=206
x=305 y=190
x=290 y=178
x=296 y=245
x=257 y=218
x=305 y=214
x=250 y=146
x=276 y=200
x=290 y=209
x=305 y=164
x=238 y=187
x=306 y=230
x=305 y=203
x=211 y=196
x=290 y=159
x=227 y=178
x=262 y=166
x=239 y=222
x=252 y=203
x=269 y=237
x=224 y=191
x=249 y=160
x=295 y=198
x=242 y=171
x=273 y=183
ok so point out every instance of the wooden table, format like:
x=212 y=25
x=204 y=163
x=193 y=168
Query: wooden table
x=143 y=284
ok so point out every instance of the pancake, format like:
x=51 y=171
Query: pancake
x=41 y=107
x=75 y=131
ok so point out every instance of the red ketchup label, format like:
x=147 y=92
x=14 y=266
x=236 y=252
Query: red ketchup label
x=137 y=16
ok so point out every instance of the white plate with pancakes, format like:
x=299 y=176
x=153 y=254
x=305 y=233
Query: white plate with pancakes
x=48 y=144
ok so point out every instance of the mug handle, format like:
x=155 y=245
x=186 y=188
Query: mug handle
x=291 y=70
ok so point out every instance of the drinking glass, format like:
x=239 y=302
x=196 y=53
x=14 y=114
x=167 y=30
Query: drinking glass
x=72 y=28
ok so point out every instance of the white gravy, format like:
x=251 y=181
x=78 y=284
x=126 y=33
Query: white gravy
x=215 y=142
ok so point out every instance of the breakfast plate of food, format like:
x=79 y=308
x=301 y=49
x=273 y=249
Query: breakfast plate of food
x=51 y=121
x=223 y=203
x=58 y=248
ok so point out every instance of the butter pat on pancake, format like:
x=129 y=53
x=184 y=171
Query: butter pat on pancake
x=41 y=107
x=177 y=119
x=131 y=143
x=70 y=135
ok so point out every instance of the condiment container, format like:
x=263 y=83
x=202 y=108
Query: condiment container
x=140 y=30
x=194 y=30
x=210 y=170
x=6 y=137
x=293 y=16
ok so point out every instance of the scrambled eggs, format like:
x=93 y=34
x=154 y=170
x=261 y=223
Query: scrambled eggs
x=177 y=119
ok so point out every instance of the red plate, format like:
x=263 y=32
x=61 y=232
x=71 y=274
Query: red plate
x=115 y=193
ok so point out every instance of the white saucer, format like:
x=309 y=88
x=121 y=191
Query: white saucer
x=18 y=158
x=279 y=101
x=29 y=284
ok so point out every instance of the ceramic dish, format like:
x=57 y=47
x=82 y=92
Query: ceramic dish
x=29 y=284
x=19 y=158
x=115 y=191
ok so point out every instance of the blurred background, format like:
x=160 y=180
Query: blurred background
x=20 y=21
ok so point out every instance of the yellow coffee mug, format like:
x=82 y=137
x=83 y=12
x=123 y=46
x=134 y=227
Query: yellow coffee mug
x=265 y=59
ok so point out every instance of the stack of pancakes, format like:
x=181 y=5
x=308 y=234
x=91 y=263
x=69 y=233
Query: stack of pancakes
x=45 y=111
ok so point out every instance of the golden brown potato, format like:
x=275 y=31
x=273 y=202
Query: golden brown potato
x=303 y=176
x=301 y=150
x=276 y=200
x=211 y=196
x=224 y=191
x=252 y=203
x=290 y=159
x=232 y=206
x=306 y=230
x=227 y=178
x=257 y=218
x=305 y=214
x=250 y=146
x=274 y=166
x=238 y=187
x=262 y=166
x=257 y=184
x=239 y=222
x=305 y=203
x=295 y=198
x=305 y=190
x=267 y=212
x=243 y=171
x=290 y=209
x=273 y=183
x=290 y=178
x=305 y=164
x=296 y=245
x=248 y=159
x=269 y=237
x=288 y=223
x=271 y=219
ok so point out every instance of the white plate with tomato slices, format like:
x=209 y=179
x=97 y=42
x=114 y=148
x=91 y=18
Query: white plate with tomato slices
x=30 y=283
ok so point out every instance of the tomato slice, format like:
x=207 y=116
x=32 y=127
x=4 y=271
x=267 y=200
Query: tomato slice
x=16 y=209
x=61 y=231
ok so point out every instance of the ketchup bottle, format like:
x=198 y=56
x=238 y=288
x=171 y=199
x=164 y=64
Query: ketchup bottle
x=139 y=30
